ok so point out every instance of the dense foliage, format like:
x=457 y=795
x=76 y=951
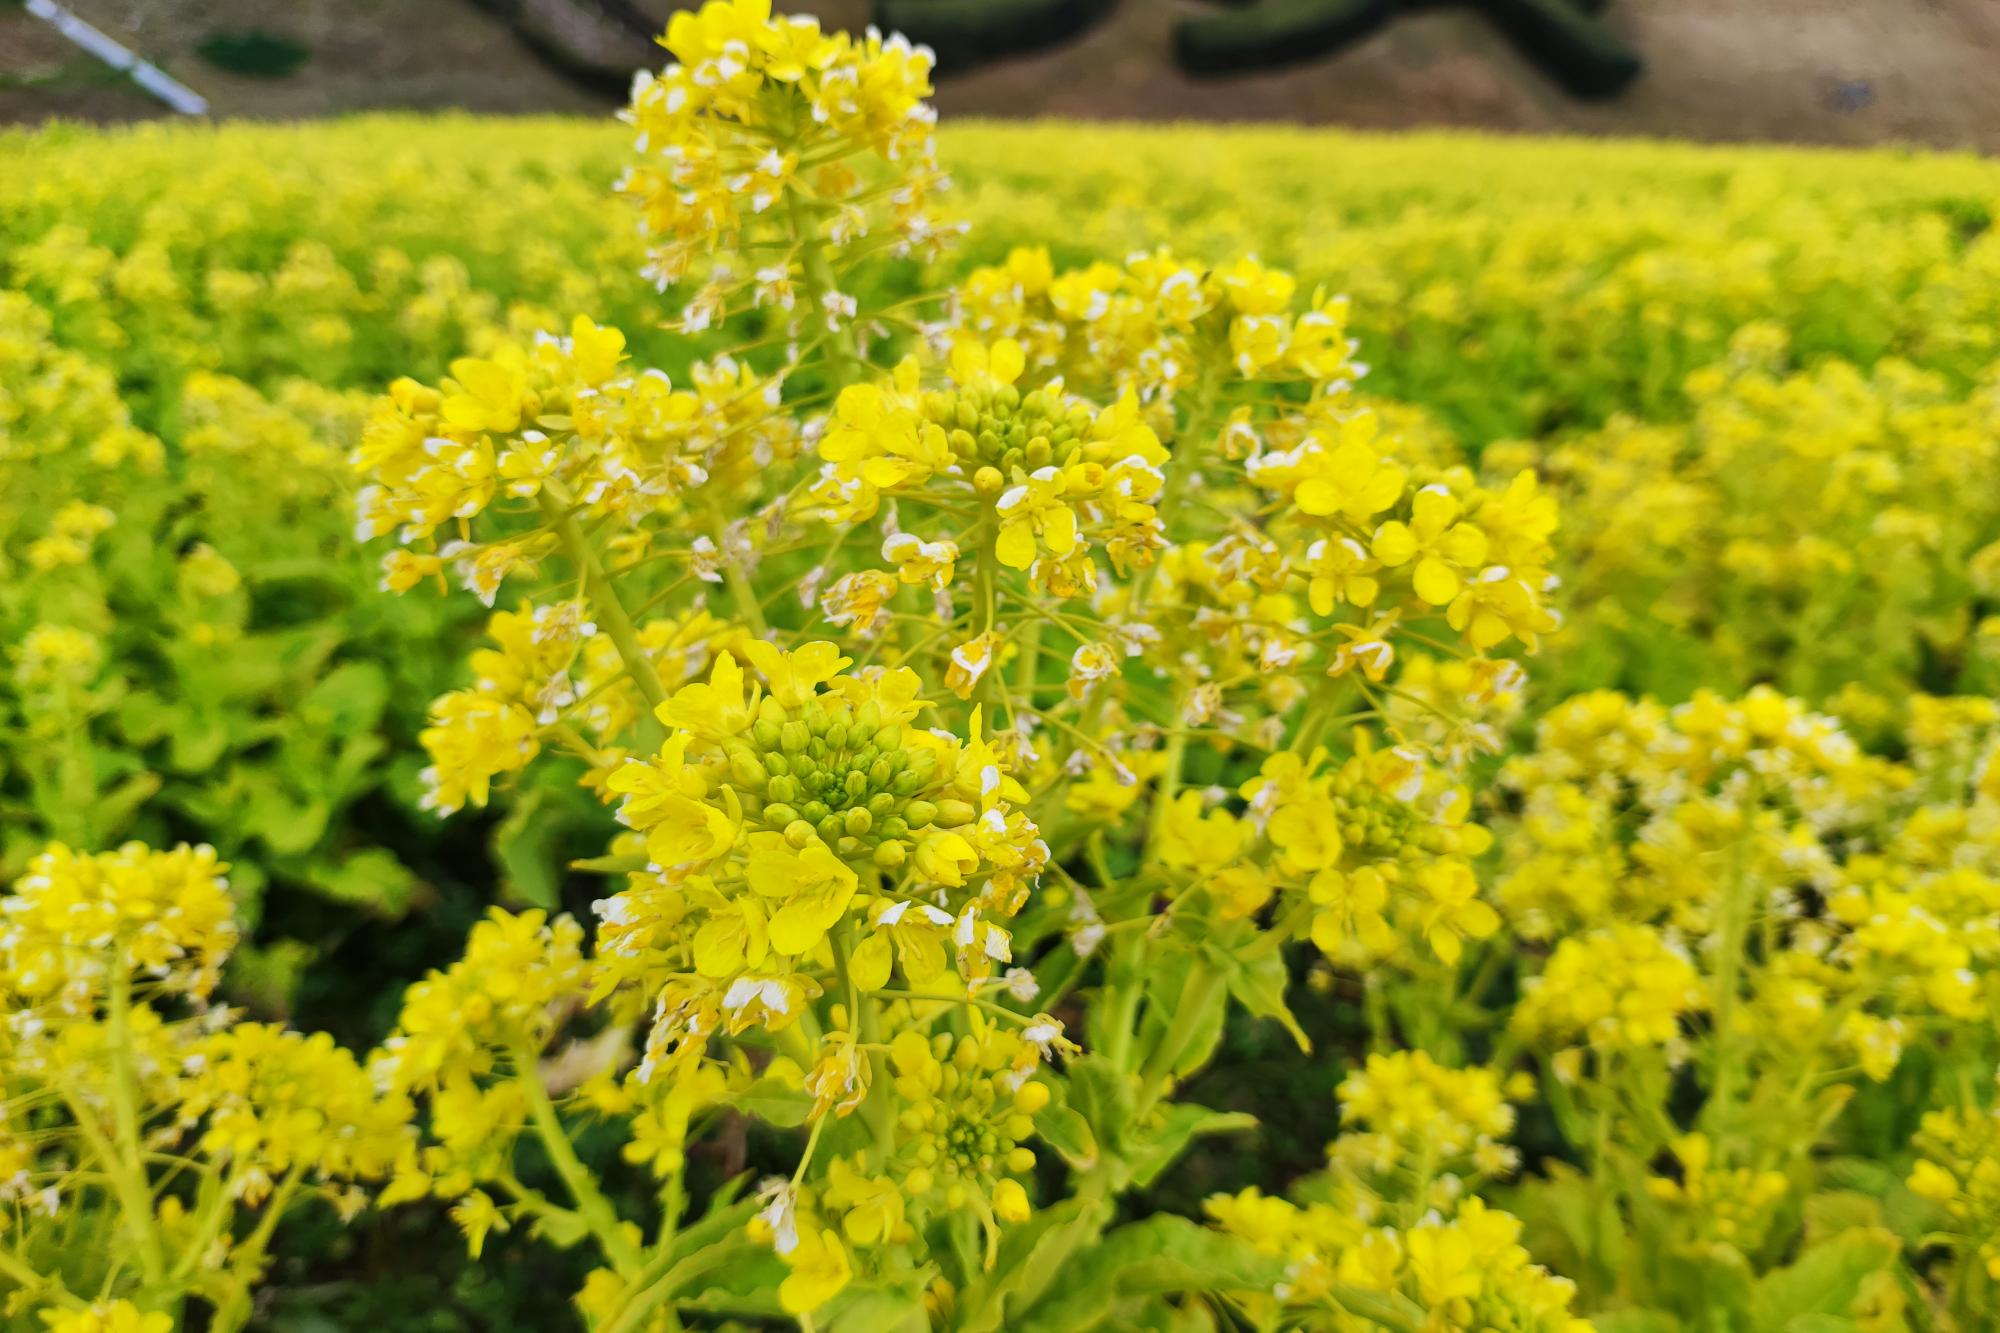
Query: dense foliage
x=868 y=755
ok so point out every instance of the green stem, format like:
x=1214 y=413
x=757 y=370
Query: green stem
x=138 y=1203
x=1122 y=1004
x=605 y=605
x=591 y=1205
x=876 y=1112
x=235 y=1312
x=215 y=1215
x=1735 y=928
x=844 y=364
x=651 y=1297
x=748 y=609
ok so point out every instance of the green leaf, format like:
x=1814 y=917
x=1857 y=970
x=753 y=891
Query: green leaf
x=349 y=698
x=1161 y=1255
x=1712 y=1280
x=198 y=740
x=144 y=717
x=1820 y=1323
x=1826 y=1280
x=117 y=807
x=1182 y=1124
x=1101 y=1093
x=724 y=1217
x=267 y=976
x=1258 y=984
x=370 y=878
x=1031 y=1254
x=1830 y=1212
x=525 y=844
x=774 y=1102
x=1168 y=1007
x=1063 y=1128
x=1636 y=1321
x=878 y=1312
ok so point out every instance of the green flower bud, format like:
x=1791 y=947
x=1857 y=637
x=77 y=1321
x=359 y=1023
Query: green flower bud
x=779 y=815
x=799 y=833
x=920 y=813
x=952 y=814
x=794 y=737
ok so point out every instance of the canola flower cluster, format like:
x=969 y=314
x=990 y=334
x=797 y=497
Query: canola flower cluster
x=1737 y=896
x=124 y=1077
x=988 y=666
x=1391 y=1235
x=1080 y=532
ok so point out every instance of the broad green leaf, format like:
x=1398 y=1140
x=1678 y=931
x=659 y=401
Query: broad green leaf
x=348 y=698
x=370 y=878
x=877 y=1312
x=1258 y=984
x=1636 y=1321
x=1821 y=1323
x=1061 y=1127
x=525 y=844
x=774 y=1102
x=117 y=807
x=1159 y=1256
x=1102 y=1095
x=1826 y=1280
x=144 y=717
x=1830 y=1212
x=1032 y=1254
x=725 y=1216
x=1712 y=1280
x=1201 y=1028
x=1152 y=1151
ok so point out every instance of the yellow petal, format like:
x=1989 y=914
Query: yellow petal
x=1436 y=582
x=1016 y=547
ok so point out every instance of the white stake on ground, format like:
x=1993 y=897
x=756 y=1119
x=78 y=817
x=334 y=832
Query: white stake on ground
x=144 y=73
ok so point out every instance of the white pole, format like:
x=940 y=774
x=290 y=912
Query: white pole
x=147 y=75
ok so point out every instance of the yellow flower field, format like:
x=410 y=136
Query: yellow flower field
x=773 y=717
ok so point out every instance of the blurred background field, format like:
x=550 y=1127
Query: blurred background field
x=1804 y=71
x=1670 y=332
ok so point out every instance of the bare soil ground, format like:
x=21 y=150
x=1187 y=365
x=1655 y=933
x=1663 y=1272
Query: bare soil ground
x=1807 y=71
